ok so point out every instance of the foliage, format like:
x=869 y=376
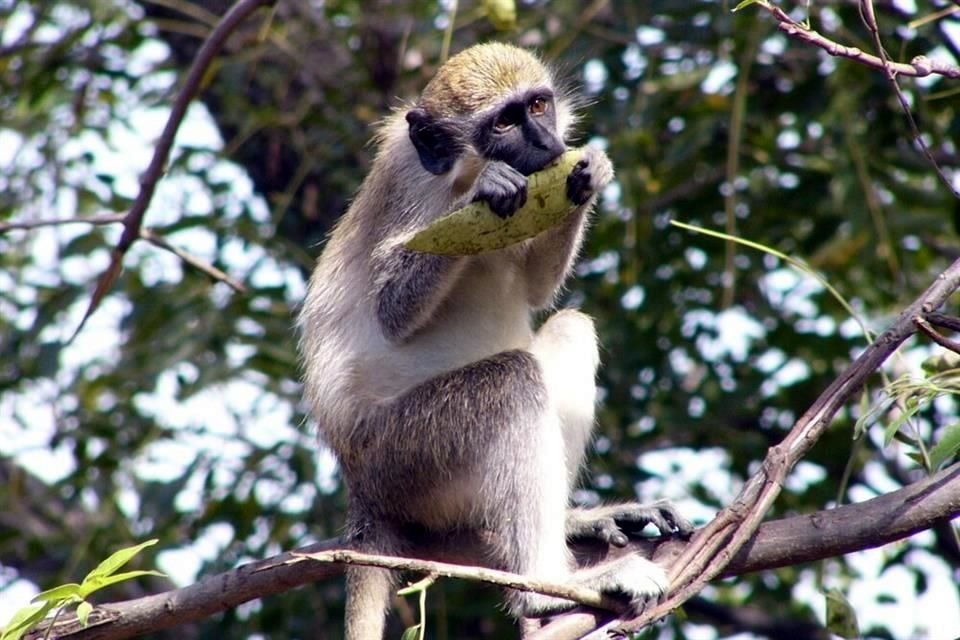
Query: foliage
x=175 y=413
x=58 y=598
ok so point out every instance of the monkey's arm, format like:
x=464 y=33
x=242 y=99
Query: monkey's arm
x=409 y=287
x=551 y=254
x=550 y=257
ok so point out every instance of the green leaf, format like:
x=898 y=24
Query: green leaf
x=84 y=609
x=744 y=4
x=946 y=448
x=841 y=618
x=411 y=633
x=913 y=406
x=118 y=559
x=95 y=583
x=26 y=619
x=60 y=594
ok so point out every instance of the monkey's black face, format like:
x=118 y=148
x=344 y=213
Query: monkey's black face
x=522 y=132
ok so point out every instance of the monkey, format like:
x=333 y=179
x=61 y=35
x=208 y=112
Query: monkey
x=447 y=411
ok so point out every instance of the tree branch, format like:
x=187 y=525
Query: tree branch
x=133 y=221
x=147 y=234
x=713 y=547
x=824 y=534
x=918 y=67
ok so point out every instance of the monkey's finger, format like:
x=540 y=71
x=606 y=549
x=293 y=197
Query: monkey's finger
x=636 y=521
x=677 y=522
x=606 y=529
x=579 y=187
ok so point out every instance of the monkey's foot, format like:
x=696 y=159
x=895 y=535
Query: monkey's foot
x=636 y=580
x=615 y=524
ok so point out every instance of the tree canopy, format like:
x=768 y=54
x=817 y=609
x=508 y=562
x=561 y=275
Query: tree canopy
x=175 y=412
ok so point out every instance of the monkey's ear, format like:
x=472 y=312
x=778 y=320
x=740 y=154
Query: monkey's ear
x=435 y=140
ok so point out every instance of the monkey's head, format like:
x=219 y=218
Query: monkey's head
x=496 y=99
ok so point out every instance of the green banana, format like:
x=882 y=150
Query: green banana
x=476 y=229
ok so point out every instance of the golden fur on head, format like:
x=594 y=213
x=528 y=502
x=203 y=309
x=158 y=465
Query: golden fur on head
x=480 y=76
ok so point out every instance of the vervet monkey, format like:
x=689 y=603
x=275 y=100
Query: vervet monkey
x=447 y=411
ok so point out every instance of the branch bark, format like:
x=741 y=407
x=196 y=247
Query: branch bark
x=789 y=541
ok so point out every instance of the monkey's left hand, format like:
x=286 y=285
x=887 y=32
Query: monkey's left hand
x=615 y=524
x=589 y=176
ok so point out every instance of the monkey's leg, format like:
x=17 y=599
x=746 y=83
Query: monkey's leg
x=451 y=454
x=566 y=349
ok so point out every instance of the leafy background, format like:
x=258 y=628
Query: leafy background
x=175 y=413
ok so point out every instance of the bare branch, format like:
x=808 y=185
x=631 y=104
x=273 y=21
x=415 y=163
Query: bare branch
x=778 y=543
x=870 y=21
x=584 y=596
x=918 y=67
x=147 y=234
x=927 y=329
x=195 y=262
x=26 y=225
x=945 y=321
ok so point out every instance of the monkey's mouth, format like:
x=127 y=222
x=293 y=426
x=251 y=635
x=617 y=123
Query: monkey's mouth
x=535 y=159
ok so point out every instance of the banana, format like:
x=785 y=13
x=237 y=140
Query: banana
x=476 y=229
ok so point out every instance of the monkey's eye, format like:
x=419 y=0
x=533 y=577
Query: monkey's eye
x=538 y=106
x=510 y=117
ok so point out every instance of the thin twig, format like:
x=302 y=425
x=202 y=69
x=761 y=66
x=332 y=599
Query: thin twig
x=918 y=67
x=26 y=225
x=587 y=597
x=150 y=236
x=927 y=329
x=147 y=234
x=870 y=21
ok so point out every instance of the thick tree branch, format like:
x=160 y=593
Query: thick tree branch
x=781 y=542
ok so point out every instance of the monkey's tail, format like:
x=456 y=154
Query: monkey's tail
x=368 y=596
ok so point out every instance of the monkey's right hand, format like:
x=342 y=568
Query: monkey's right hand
x=502 y=187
